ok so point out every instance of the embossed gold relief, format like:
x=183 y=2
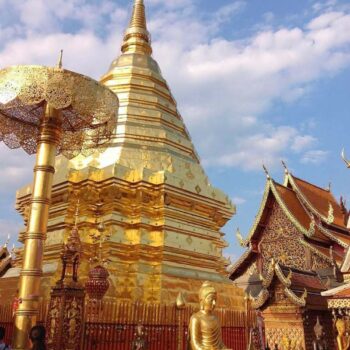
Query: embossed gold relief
x=286 y=338
x=53 y=319
x=278 y=243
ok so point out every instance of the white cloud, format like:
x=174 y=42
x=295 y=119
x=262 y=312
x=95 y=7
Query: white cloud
x=238 y=200
x=314 y=157
x=226 y=12
x=223 y=86
x=16 y=169
x=300 y=142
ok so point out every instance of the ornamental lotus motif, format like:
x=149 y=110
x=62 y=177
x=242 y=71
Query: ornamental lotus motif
x=97 y=284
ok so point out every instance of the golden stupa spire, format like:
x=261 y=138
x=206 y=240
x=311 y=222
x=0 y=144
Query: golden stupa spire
x=137 y=38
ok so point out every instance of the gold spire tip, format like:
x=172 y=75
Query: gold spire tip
x=137 y=38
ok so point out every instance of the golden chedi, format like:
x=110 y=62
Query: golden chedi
x=162 y=214
x=205 y=328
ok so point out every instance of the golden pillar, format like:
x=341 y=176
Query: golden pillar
x=29 y=283
x=48 y=111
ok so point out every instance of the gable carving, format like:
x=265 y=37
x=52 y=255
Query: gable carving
x=281 y=241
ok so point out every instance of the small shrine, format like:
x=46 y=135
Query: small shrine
x=294 y=253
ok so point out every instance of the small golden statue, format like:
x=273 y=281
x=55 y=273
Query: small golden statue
x=343 y=340
x=73 y=313
x=140 y=342
x=205 y=329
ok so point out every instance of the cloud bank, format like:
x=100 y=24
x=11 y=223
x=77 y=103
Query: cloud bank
x=224 y=87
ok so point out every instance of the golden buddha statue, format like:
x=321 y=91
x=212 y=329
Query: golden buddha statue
x=205 y=329
x=343 y=340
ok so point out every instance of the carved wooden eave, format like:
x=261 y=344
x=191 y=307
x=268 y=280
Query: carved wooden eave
x=268 y=278
x=299 y=301
x=260 y=300
x=264 y=294
x=285 y=280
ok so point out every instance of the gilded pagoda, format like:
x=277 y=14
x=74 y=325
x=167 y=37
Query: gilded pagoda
x=294 y=252
x=161 y=216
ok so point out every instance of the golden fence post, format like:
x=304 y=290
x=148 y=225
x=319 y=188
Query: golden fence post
x=180 y=306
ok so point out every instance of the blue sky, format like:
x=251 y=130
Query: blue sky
x=256 y=82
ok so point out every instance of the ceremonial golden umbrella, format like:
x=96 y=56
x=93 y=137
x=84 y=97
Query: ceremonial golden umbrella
x=48 y=111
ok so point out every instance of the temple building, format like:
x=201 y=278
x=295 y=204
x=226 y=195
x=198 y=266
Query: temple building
x=294 y=252
x=160 y=215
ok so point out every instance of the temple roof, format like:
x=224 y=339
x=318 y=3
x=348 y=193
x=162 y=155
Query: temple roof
x=302 y=217
x=308 y=208
x=299 y=287
x=319 y=201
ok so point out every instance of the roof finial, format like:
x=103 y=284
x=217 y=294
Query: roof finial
x=285 y=166
x=59 y=63
x=137 y=38
x=329 y=188
x=7 y=241
x=266 y=172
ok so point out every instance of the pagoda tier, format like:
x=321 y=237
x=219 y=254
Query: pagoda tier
x=160 y=212
x=295 y=251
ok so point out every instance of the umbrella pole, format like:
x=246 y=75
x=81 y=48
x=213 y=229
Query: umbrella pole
x=30 y=276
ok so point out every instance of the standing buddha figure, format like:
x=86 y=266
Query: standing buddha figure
x=205 y=329
x=343 y=340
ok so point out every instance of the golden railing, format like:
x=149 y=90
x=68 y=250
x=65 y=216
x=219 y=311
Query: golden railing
x=111 y=325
